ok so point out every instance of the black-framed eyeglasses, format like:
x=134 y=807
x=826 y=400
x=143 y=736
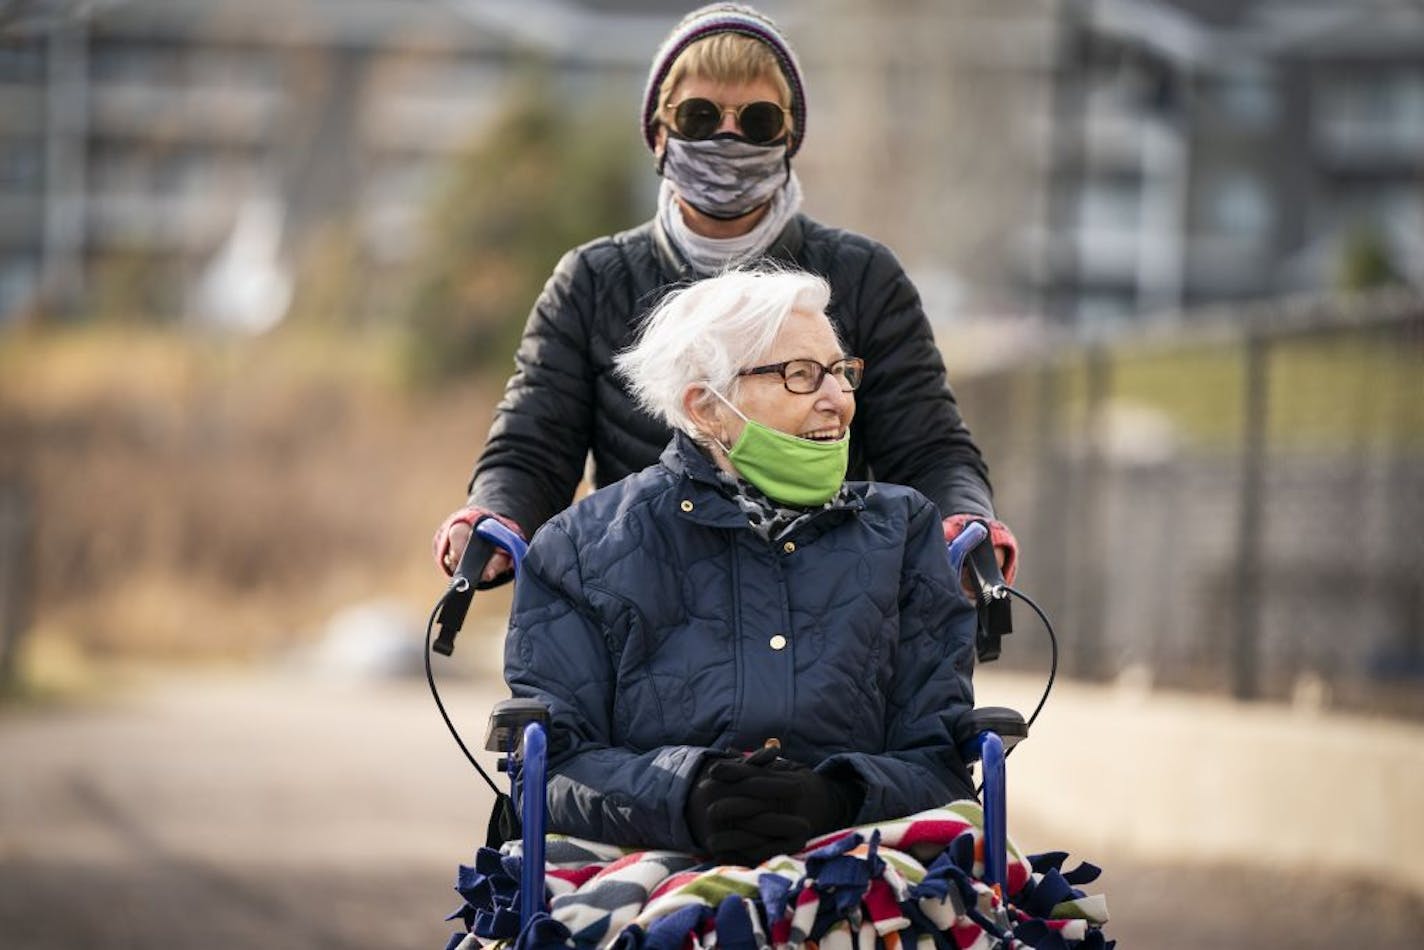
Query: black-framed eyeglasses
x=762 y=122
x=804 y=376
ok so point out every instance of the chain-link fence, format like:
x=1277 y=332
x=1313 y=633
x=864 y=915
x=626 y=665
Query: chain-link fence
x=1235 y=506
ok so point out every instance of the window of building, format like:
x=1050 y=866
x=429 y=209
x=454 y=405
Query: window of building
x=1408 y=97
x=21 y=165
x=19 y=279
x=135 y=63
x=1103 y=307
x=246 y=69
x=1379 y=107
x=118 y=169
x=21 y=61
x=1237 y=204
x=1247 y=95
x=1111 y=204
x=1389 y=207
x=1132 y=78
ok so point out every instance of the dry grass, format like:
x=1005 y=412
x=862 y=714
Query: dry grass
x=200 y=500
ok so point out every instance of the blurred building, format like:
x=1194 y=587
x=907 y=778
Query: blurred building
x=1215 y=151
x=186 y=152
x=924 y=130
x=1103 y=160
x=1093 y=161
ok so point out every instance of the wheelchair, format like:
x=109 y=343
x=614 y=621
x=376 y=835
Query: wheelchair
x=517 y=731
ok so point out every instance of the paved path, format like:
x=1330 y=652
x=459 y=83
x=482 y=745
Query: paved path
x=282 y=812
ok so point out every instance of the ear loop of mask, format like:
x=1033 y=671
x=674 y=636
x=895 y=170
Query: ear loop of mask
x=720 y=444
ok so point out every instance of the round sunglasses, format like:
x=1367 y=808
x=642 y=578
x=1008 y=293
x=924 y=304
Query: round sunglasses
x=762 y=122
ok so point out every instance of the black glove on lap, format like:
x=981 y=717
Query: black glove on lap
x=745 y=810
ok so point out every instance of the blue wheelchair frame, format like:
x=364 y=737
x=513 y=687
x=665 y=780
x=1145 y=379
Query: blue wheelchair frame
x=518 y=729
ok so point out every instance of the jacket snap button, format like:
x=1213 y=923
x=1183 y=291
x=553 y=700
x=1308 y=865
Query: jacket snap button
x=778 y=642
x=789 y=547
x=772 y=743
x=686 y=505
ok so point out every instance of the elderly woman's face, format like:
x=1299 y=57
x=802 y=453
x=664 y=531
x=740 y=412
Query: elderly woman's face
x=824 y=414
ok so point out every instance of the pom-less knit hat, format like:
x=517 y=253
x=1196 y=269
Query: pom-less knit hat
x=725 y=18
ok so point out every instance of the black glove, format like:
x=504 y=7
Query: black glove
x=735 y=827
x=826 y=803
x=745 y=810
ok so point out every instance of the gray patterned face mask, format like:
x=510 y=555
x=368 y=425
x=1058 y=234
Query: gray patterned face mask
x=725 y=176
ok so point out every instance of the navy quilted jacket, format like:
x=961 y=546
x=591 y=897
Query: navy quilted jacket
x=657 y=625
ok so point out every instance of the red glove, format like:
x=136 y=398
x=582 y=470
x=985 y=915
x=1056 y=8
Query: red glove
x=447 y=559
x=1006 y=547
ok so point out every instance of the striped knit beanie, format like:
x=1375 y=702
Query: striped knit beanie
x=725 y=18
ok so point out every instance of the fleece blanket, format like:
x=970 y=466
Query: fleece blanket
x=910 y=884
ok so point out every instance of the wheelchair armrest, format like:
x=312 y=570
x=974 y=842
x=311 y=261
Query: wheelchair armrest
x=1007 y=723
x=508 y=720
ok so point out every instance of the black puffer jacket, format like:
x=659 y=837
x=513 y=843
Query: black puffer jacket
x=565 y=399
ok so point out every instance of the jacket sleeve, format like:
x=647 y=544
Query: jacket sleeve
x=931 y=689
x=537 y=445
x=558 y=651
x=909 y=420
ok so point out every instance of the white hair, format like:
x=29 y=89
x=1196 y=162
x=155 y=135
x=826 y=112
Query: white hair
x=708 y=331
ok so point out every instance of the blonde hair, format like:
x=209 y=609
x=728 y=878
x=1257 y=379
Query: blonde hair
x=708 y=331
x=729 y=58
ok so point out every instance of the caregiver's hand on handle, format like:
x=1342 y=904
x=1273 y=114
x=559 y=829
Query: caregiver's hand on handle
x=453 y=536
x=1006 y=547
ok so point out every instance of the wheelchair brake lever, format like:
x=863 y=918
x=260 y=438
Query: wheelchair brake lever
x=992 y=598
x=462 y=589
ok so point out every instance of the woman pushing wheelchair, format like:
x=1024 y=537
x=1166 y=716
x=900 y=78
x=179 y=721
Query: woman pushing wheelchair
x=739 y=649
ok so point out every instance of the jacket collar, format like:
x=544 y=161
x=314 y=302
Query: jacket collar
x=786 y=248
x=699 y=494
x=683 y=456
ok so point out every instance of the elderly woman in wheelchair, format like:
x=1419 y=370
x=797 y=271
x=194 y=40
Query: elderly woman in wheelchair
x=740 y=656
x=739 y=650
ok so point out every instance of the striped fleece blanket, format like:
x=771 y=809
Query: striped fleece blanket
x=910 y=884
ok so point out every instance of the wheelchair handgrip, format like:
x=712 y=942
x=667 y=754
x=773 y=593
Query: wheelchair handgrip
x=974 y=532
x=504 y=538
x=488 y=535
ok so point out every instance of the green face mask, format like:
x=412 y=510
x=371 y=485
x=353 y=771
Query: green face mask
x=788 y=469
